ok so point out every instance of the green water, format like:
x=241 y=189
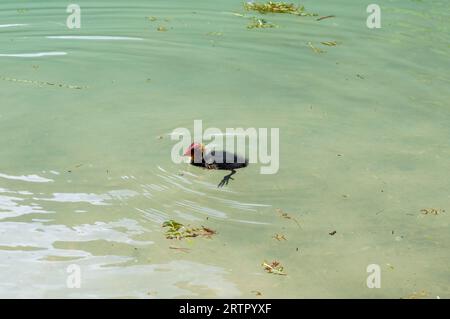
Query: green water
x=364 y=146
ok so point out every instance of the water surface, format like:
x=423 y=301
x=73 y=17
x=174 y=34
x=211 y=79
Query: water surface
x=86 y=180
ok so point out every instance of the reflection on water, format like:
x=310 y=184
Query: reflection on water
x=86 y=176
x=93 y=37
x=33 y=55
x=31 y=232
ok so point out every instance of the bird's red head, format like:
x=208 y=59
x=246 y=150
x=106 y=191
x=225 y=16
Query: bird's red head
x=194 y=147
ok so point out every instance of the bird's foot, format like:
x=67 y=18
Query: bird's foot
x=226 y=179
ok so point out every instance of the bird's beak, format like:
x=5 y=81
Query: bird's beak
x=189 y=150
x=194 y=146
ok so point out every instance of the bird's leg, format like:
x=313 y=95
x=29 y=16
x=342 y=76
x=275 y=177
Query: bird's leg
x=226 y=179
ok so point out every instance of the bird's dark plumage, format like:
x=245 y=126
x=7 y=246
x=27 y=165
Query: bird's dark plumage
x=220 y=160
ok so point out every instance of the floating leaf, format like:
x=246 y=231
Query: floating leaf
x=287 y=216
x=316 y=50
x=274 y=267
x=432 y=211
x=329 y=43
x=279 y=237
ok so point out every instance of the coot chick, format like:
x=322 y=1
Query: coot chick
x=221 y=160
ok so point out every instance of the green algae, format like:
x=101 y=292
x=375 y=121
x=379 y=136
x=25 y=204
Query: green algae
x=176 y=230
x=277 y=7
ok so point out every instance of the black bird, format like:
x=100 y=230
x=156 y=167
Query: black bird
x=221 y=160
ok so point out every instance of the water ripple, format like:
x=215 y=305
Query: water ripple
x=12 y=25
x=27 y=178
x=33 y=55
x=94 y=37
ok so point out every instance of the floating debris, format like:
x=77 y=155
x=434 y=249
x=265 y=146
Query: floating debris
x=42 y=84
x=316 y=50
x=184 y=250
x=277 y=7
x=76 y=166
x=287 y=216
x=257 y=23
x=177 y=230
x=325 y=17
x=418 y=295
x=152 y=18
x=274 y=267
x=332 y=233
x=279 y=237
x=174 y=229
x=329 y=43
x=432 y=211
x=256 y=292
x=161 y=29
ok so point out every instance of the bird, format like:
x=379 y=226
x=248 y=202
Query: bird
x=218 y=160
